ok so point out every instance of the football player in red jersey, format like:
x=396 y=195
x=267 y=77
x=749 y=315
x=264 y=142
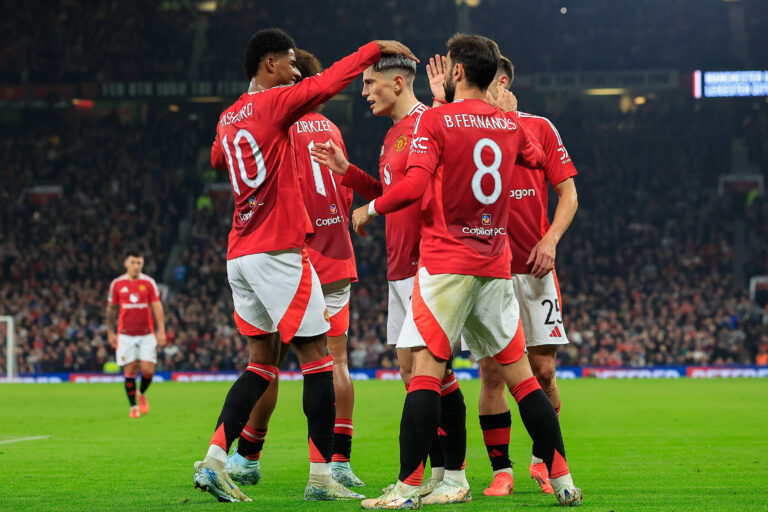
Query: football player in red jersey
x=533 y=244
x=133 y=335
x=330 y=252
x=388 y=88
x=275 y=290
x=460 y=167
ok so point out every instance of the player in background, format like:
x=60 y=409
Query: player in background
x=533 y=242
x=460 y=167
x=388 y=87
x=132 y=335
x=331 y=254
x=275 y=290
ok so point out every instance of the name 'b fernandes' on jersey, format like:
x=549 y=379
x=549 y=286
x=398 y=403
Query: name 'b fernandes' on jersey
x=470 y=148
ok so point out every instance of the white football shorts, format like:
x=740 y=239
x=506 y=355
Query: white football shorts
x=540 y=309
x=277 y=291
x=399 y=301
x=136 y=348
x=446 y=307
x=336 y=296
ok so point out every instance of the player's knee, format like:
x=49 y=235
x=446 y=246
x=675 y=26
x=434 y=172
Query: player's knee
x=545 y=374
x=491 y=380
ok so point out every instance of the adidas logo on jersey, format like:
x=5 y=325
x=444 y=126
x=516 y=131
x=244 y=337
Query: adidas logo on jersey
x=556 y=333
x=124 y=289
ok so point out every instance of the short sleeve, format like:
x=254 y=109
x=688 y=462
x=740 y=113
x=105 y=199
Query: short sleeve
x=424 y=150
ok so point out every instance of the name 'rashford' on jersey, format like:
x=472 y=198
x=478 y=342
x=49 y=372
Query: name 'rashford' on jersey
x=252 y=144
x=470 y=148
x=327 y=201
x=528 y=221
x=133 y=297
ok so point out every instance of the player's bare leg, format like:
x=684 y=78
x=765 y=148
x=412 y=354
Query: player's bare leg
x=130 y=372
x=345 y=403
x=244 y=466
x=319 y=397
x=543 y=362
x=495 y=422
x=541 y=422
x=210 y=473
x=147 y=373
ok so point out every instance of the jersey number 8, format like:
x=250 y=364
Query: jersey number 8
x=483 y=169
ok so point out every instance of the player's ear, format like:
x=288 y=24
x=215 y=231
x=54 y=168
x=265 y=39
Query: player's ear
x=458 y=71
x=504 y=81
x=270 y=63
x=399 y=83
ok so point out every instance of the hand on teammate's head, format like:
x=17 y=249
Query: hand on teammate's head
x=505 y=100
x=395 y=47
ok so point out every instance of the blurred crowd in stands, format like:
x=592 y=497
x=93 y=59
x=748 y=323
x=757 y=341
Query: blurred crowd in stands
x=69 y=41
x=653 y=270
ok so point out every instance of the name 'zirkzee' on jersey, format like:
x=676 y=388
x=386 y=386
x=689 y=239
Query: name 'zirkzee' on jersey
x=528 y=221
x=327 y=201
x=133 y=297
x=252 y=144
x=470 y=148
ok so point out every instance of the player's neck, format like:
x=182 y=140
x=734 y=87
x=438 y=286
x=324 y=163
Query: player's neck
x=258 y=83
x=403 y=105
x=466 y=92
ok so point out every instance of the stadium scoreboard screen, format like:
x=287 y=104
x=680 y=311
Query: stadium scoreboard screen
x=729 y=84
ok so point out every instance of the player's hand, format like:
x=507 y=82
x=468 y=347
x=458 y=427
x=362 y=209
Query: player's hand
x=112 y=339
x=360 y=219
x=542 y=257
x=504 y=101
x=331 y=156
x=160 y=339
x=395 y=47
x=436 y=74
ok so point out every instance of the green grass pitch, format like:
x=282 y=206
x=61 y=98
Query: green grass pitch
x=668 y=445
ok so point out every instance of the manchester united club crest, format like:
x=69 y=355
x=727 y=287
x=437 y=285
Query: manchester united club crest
x=327 y=316
x=334 y=209
x=486 y=219
x=401 y=142
x=142 y=288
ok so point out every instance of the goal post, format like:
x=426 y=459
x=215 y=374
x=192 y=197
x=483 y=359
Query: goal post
x=10 y=362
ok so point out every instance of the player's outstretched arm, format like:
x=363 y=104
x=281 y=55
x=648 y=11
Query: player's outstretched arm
x=436 y=74
x=294 y=101
x=543 y=254
x=332 y=156
x=401 y=195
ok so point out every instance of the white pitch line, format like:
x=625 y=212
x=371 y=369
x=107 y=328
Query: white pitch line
x=20 y=439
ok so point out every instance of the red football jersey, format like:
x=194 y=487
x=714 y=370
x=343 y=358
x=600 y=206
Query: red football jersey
x=252 y=144
x=528 y=196
x=327 y=201
x=401 y=227
x=470 y=148
x=133 y=297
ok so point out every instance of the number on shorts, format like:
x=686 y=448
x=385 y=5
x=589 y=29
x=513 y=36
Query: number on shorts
x=483 y=169
x=553 y=305
x=317 y=173
x=258 y=159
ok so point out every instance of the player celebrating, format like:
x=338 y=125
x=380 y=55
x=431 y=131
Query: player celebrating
x=388 y=87
x=274 y=287
x=133 y=334
x=461 y=161
x=330 y=252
